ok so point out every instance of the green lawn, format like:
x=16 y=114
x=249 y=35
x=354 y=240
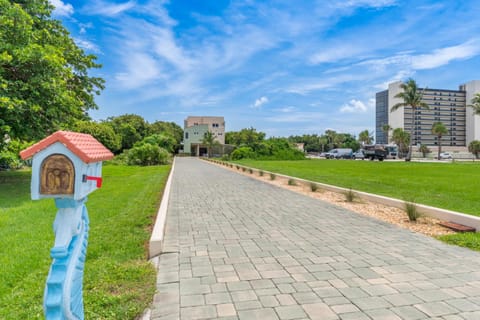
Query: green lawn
x=453 y=186
x=119 y=281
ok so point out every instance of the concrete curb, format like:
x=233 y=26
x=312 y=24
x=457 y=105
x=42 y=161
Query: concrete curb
x=156 y=240
x=441 y=214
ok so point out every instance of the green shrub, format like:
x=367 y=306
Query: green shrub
x=243 y=153
x=292 y=182
x=313 y=187
x=350 y=196
x=250 y=170
x=9 y=154
x=412 y=211
x=272 y=176
x=260 y=173
x=148 y=155
x=244 y=169
x=238 y=167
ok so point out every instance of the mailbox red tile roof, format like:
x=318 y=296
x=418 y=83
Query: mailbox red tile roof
x=83 y=145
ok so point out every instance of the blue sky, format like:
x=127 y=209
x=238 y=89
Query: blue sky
x=283 y=67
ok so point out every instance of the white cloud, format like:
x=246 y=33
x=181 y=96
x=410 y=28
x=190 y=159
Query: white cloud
x=335 y=53
x=260 y=101
x=435 y=59
x=109 y=9
x=87 y=45
x=443 y=56
x=142 y=69
x=296 y=117
x=165 y=46
x=286 y=109
x=354 y=106
x=366 y=3
x=62 y=9
x=305 y=86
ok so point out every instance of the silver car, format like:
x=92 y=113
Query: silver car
x=358 y=155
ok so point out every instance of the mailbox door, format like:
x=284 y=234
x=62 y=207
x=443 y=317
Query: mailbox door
x=57 y=175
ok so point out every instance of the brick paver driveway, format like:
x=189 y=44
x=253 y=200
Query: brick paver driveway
x=238 y=248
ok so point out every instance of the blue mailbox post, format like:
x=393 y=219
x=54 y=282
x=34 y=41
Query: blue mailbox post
x=66 y=166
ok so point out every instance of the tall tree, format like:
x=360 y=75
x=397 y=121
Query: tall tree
x=412 y=97
x=439 y=130
x=44 y=80
x=209 y=141
x=169 y=128
x=401 y=139
x=474 y=147
x=365 y=137
x=386 y=128
x=476 y=104
x=130 y=127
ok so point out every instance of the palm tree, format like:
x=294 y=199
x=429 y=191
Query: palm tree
x=439 y=130
x=476 y=104
x=401 y=139
x=412 y=97
x=424 y=150
x=386 y=128
x=365 y=137
x=474 y=147
x=210 y=142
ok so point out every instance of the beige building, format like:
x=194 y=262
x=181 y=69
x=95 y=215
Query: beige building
x=195 y=128
x=451 y=107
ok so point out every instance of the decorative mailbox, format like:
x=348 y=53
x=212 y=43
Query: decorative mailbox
x=66 y=166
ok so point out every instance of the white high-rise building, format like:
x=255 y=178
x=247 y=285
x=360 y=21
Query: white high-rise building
x=451 y=107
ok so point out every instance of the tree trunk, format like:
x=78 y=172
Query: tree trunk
x=409 y=154
x=439 y=146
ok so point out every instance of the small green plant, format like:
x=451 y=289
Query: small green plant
x=313 y=187
x=292 y=182
x=250 y=170
x=350 y=196
x=244 y=169
x=412 y=211
x=238 y=167
x=468 y=239
x=260 y=173
x=272 y=176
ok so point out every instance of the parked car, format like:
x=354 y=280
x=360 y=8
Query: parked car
x=358 y=155
x=445 y=156
x=341 y=153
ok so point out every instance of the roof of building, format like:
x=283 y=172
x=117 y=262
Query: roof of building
x=83 y=145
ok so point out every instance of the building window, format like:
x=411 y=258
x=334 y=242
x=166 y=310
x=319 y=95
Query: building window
x=186 y=135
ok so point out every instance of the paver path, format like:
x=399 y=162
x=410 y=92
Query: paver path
x=238 y=248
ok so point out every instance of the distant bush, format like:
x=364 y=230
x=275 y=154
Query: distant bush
x=313 y=187
x=270 y=149
x=163 y=141
x=243 y=153
x=148 y=155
